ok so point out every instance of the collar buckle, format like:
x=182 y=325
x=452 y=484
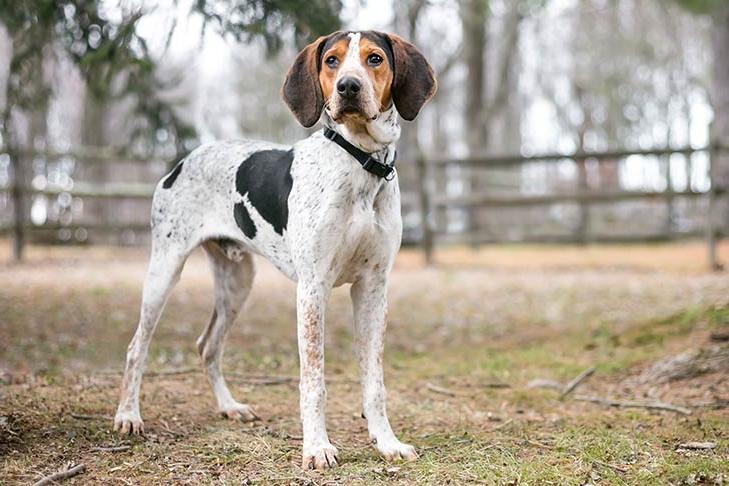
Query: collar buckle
x=390 y=175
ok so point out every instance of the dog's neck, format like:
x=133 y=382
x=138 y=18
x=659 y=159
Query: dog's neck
x=377 y=136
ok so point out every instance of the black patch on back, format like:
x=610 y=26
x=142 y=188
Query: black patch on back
x=265 y=177
x=173 y=176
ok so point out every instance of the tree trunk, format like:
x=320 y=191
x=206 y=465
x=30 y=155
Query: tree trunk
x=19 y=147
x=720 y=92
x=474 y=15
x=94 y=171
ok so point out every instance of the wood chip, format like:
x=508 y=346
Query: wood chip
x=545 y=383
x=697 y=446
x=440 y=390
x=720 y=336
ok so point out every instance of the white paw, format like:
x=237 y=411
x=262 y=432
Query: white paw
x=239 y=411
x=393 y=450
x=320 y=457
x=128 y=423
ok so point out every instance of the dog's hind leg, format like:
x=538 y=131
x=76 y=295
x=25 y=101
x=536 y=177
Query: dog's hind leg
x=165 y=265
x=233 y=270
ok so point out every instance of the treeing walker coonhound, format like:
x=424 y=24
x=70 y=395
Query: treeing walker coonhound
x=325 y=212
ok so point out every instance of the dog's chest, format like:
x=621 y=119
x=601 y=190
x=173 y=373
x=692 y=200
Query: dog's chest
x=343 y=219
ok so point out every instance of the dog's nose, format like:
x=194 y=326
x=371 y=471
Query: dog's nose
x=348 y=87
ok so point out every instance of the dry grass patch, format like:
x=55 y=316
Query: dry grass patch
x=463 y=345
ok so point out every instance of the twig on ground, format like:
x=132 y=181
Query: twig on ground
x=264 y=380
x=697 y=446
x=61 y=475
x=577 y=381
x=716 y=404
x=502 y=425
x=440 y=390
x=178 y=371
x=545 y=383
x=611 y=466
x=90 y=417
x=261 y=380
x=647 y=405
x=495 y=384
x=111 y=449
x=539 y=444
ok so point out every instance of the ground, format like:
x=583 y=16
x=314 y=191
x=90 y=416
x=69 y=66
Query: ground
x=466 y=339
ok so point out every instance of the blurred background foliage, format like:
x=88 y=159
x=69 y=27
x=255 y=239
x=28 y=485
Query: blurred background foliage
x=156 y=78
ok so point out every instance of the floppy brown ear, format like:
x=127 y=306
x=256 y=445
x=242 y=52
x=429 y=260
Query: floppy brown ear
x=301 y=90
x=414 y=81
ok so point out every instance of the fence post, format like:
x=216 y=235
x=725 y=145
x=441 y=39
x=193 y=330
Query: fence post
x=18 y=204
x=424 y=196
x=584 y=216
x=710 y=216
x=669 y=199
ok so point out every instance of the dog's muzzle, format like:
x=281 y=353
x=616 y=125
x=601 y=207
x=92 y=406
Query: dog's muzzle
x=348 y=88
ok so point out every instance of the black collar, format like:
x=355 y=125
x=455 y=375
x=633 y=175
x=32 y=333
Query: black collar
x=365 y=159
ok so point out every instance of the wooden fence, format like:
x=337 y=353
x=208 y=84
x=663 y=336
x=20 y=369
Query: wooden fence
x=432 y=200
x=428 y=201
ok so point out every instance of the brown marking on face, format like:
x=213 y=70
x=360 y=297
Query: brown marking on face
x=404 y=78
x=372 y=69
x=381 y=75
x=327 y=74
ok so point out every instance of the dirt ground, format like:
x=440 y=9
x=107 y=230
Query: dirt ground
x=467 y=339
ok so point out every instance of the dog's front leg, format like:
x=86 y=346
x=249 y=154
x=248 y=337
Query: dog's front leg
x=318 y=452
x=369 y=299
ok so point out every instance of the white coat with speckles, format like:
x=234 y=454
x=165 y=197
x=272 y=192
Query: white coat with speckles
x=344 y=226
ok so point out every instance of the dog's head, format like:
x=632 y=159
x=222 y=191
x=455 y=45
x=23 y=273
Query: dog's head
x=355 y=76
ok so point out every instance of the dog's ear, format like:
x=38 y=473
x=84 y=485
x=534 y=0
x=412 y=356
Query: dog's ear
x=414 y=82
x=301 y=90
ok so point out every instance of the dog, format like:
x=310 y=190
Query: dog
x=325 y=212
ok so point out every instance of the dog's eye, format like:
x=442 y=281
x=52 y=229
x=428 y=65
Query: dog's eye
x=374 y=60
x=332 y=61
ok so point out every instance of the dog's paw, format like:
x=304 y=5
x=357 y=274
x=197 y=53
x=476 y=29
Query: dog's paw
x=394 y=450
x=128 y=423
x=321 y=457
x=239 y=411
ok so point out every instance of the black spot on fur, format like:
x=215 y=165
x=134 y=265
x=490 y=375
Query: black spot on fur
x=265 y=177
x=173 y=176
x=244 y=221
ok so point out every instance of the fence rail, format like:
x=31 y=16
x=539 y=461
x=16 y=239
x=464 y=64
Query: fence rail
x=584 y=196
x=425 y=199
x=542 y=199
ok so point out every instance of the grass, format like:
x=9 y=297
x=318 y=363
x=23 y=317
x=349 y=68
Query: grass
x=68 y=314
